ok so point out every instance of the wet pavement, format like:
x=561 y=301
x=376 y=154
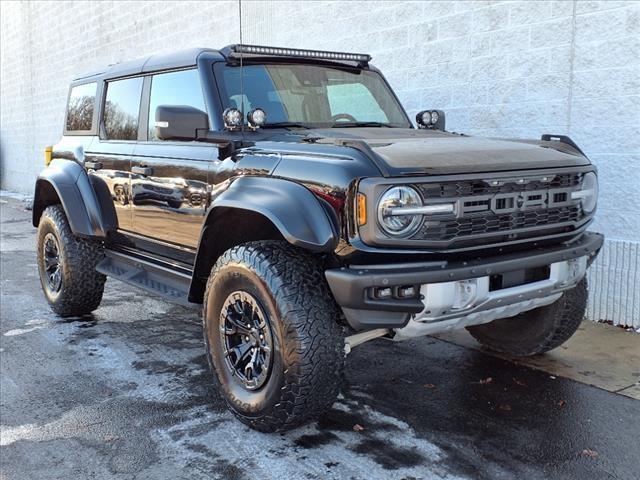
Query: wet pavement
x=125 y=394
x=597 y=354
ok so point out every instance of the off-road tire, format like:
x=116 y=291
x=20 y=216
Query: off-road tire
x=536 y=331
x=308 y=343
x=82 y=286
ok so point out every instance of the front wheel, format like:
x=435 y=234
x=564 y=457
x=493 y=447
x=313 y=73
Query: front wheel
x=271 y=335
x=538 y=330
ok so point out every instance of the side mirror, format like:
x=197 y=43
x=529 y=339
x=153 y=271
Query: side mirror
x=430 y=119
x=180 y=122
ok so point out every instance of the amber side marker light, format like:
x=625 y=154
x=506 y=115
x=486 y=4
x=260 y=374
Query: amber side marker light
x=362 y=209
x=48 y=155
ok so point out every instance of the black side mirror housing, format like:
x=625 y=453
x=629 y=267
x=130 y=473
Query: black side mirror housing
x=180 y=122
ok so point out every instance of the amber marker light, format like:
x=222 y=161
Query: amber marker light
x=47 y=155
x=362 y=209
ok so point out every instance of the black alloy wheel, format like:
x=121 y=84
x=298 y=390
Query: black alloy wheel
x=52 y=264
x=246 y=339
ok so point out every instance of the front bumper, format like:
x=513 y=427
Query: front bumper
x=354 y=288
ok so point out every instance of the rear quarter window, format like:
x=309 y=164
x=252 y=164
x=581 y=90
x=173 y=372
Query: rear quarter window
x=82 y=101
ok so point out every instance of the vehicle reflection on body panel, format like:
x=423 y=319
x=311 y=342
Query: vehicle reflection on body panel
x=112 y=162
x=169 y=202
x=174 y=192
x=157 y=190
x=118 y=183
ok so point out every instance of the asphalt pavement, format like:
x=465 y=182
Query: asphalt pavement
x=126 y=394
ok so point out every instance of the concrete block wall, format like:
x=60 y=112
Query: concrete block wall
x=498 y=68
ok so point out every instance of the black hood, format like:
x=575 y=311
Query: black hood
x=423 y=152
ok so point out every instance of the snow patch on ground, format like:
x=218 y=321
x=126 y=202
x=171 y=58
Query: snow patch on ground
x=31 y=326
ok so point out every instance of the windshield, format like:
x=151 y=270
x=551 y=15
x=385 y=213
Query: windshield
x=312 y=95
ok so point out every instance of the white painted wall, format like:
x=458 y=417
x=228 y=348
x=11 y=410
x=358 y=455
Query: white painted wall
x=498 y=68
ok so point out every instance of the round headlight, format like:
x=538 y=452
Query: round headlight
x=434 y=117
x=232 y=118
x=589 y=192
x=390 y=216
x=256 y=117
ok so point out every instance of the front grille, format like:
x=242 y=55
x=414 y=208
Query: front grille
x=487 y=207
x=156 y=188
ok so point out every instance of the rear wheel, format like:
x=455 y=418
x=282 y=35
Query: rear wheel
x=271 y=335
x=66 y=265
x=536 y=331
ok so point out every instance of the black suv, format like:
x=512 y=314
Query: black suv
x=288 y=193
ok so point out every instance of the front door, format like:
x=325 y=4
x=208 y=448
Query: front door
x=169 y=192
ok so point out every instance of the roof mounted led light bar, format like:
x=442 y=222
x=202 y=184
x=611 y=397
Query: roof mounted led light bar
x=236 y=50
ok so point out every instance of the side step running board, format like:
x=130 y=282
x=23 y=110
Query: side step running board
x=170 y=283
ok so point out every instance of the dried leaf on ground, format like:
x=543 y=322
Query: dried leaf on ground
x=589 y=453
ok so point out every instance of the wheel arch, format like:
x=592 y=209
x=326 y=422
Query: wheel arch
x=262 y=208
x=85 y=199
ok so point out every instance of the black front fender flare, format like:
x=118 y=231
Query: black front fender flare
x=294 y=210
x=276 y=208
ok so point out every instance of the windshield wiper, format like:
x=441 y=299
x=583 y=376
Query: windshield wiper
x=362 y=124
x=285 y=125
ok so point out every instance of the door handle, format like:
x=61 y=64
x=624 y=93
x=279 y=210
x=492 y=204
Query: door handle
x=93 y=165
x=141 y=170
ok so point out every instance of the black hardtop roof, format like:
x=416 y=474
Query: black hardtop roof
x=179 y=59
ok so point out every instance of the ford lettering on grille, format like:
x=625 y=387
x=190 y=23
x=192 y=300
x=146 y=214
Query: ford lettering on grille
x=515 y=201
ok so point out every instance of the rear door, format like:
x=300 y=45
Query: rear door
x=169 y=178
x=110 y=155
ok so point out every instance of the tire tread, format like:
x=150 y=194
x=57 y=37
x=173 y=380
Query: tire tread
x=557 y=323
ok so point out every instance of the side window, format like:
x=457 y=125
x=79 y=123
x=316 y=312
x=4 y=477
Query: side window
x=357 y=100
x=82 y=100
x=174 y=88
x=121 y=109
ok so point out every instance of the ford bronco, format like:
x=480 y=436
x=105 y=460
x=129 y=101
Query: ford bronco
x=288 y=194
